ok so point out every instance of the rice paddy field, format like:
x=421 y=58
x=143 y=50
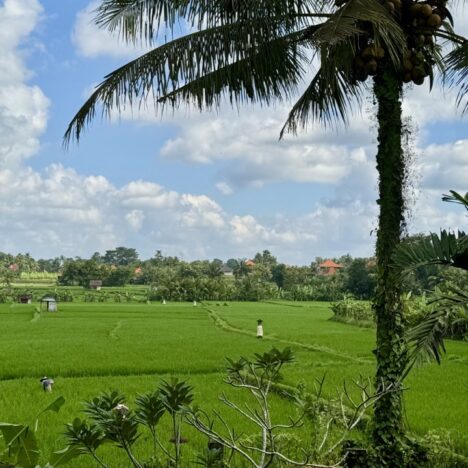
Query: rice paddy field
x=90 y=348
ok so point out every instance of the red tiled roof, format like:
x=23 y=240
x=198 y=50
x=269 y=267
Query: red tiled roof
x=330 y=264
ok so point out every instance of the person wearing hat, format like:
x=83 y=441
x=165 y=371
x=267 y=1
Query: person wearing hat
x=47 y=384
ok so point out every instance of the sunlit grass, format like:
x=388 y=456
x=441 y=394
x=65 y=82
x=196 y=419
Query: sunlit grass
x=89 y=348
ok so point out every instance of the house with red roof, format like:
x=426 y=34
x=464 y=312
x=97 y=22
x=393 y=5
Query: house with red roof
x=329 y=268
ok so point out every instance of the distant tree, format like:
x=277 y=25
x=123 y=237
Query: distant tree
x=360 y=278
x=80 y=272
x=119 y=276
x=7 y=276
x=6 y=259
x=241 y=269
x=297 y=276
x=232 y=263
x=344 y=260
x=50 y=265
x=97 y=257
x=25 y=262
x=214 y=269
x=121 y=256
x=278 y=273
x=266 y=258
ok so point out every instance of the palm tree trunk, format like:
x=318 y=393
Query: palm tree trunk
x=390 y=352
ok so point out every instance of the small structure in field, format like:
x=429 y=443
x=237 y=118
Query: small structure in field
x=95 y=284
x=227 y=271
x=25 y=298
x=49 y=303
x=259 y=328
x=329 y=268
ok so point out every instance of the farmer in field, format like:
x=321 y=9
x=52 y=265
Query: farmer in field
x=259 y=328
x=47 y=384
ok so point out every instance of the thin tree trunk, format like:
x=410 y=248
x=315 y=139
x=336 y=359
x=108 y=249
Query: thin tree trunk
x=390 y=352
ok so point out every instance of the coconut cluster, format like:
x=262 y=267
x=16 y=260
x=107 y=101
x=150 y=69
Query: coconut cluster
x=419 y=20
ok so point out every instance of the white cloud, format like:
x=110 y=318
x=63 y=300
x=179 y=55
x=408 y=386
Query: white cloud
x=59 y=210
x=23 y=108
x=248 y=146
x=92 y=41
x=135 y=219
x=224 y=188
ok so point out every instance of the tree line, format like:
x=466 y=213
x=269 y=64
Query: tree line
x=262 y=277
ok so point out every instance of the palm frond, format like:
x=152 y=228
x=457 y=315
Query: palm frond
x=426 y=340
x=274 y=72
x=348 y=22
x=447 y=249
x=137 y=19
x=456 y=197
x=181 y=61
x=142 y=19
x=456 y=73
x=326 y=99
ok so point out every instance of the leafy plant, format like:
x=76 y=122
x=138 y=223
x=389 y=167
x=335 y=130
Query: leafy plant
x=330 y=422
x=150 y=409
x=20 y=439
x=450 y=303
x=176 y=395
x=112 y=421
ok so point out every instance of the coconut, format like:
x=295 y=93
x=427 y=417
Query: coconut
x=407 y=77
x=418 y=77
x=397 y=4
x=359 y=62
x=391 y=7
x=368 y=53
x=442 y=12
x=434 y=21
x=419 y=40
x=407 y=64
x=426 y=10
x=379 y=52
x=415 y=9
x=371 y=67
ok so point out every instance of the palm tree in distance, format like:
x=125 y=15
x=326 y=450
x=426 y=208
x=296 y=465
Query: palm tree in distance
x=262 y=50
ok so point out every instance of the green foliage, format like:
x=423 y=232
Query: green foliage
x=112 y=421
x=350 y=310
x=360 y=278
x=447 y=249
x=449 y=314
x=21 y=447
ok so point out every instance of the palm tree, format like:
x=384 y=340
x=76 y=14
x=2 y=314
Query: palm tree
x=262 y=50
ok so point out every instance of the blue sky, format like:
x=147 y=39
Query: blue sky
x=190 y=184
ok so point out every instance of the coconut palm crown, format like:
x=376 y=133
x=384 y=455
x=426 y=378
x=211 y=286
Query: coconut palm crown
x=264 y=50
